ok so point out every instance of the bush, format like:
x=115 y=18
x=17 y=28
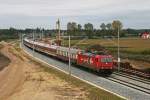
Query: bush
x=146 y=52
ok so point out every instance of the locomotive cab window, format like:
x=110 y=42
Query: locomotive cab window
x=106 y=60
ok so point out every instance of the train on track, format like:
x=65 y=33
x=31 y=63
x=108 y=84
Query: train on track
x=103 y=64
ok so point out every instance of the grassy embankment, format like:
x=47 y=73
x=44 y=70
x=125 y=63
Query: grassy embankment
x=93 y=92
x=131 y=48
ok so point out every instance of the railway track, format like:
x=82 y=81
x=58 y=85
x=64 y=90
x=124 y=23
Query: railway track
x=130 y=84
x=133 y=77
x=136 y=72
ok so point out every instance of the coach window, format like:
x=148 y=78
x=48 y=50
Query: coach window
x=57 y=51
x=73 y=55
x=67 y=54
x=61 y=53
x=64 y=53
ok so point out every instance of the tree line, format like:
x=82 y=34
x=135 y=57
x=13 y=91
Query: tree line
x=109 y=29
x=75 y=29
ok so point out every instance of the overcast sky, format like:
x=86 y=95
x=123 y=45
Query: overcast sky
x=44 y=13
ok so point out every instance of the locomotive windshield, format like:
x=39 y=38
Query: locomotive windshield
x=106 y=60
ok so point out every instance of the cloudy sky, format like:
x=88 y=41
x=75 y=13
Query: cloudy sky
x=44 y=13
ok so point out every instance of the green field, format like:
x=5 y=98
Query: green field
x=131 y=48
x=128 y=44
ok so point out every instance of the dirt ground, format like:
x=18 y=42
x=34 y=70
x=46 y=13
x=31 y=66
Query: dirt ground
x=4 y=61
x=138 y=64
x=24 y=80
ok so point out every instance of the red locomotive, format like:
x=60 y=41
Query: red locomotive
x=99 y=63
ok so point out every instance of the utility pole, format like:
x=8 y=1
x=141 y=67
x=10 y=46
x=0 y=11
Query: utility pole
x=58 y=33
x=42 y=35
x=58 y=26
x=33 y=42
x=22 y=36
x=69 y=58
x=118 y=49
